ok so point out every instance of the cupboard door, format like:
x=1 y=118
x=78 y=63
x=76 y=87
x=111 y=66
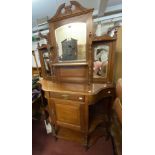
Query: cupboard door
x=69 y=114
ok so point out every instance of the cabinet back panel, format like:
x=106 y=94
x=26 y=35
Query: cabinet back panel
x=72 y=73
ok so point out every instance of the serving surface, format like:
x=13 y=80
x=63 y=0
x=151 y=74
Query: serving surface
x=74 y=88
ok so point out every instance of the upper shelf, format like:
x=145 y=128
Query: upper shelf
x=103 y=38
x=70 y=64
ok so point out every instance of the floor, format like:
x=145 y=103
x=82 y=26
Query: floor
x=44 y=144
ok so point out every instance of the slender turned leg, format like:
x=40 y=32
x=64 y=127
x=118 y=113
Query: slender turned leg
x=55 y=133
x=107 y=134
x=55 y=138
x=113 y=145
x=108 y=126
x=86 y=145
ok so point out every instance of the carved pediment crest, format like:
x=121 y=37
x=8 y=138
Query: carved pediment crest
x=74 y=9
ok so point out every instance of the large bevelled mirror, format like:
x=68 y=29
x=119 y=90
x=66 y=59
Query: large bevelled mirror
x=71 y=42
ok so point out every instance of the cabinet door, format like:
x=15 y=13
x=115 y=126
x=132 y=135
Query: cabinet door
x=69 y=114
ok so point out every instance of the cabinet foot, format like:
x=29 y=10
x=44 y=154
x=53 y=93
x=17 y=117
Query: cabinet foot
x=86 y=147
x=55 y=138
x=108 y=135
x=86 y=142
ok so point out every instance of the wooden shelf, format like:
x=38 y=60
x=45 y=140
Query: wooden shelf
x=70 y=64
x=103 y=38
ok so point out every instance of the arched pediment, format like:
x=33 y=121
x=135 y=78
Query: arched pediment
x=74 y=9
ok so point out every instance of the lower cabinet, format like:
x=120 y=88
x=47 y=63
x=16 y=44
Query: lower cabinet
x=79 y=118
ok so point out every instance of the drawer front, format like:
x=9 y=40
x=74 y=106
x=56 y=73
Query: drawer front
x=109 y=92
x=64 y=96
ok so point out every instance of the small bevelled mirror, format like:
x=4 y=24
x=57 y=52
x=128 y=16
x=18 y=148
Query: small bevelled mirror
x=101 y=54
x=71 y=42
x=46 y=62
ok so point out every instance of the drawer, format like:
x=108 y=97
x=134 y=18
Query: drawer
x=67 y=96
x=108 y=92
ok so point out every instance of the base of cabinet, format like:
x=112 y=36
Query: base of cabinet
x=71 y=135
x=79 y=137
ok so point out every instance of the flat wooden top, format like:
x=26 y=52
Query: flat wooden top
x=70 y=64
x=73 y=88
x=103 y=38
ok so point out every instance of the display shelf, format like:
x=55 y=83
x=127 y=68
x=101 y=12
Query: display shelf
x=70 y=64
x=103 y=38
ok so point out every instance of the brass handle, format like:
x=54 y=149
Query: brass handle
x=109 y=92
x=80 y=98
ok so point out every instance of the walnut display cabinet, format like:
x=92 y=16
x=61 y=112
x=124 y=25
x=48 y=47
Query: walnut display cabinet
x=77 y=70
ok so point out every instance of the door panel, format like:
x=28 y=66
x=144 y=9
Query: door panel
x=68 y=114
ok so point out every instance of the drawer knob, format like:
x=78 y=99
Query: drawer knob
x=65 y=96
x=109 y=92
x=80 y=98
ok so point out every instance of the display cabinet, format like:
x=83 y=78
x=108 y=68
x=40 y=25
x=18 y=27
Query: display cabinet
x=77 y=75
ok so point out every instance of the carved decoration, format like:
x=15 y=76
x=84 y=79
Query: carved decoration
x=74 y=9
x=90 y=59
x=112 y=32
x=47 y=37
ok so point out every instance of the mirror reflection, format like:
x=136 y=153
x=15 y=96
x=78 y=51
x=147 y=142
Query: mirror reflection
x=101 y=54
x=71 y=42
x=46 y=62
